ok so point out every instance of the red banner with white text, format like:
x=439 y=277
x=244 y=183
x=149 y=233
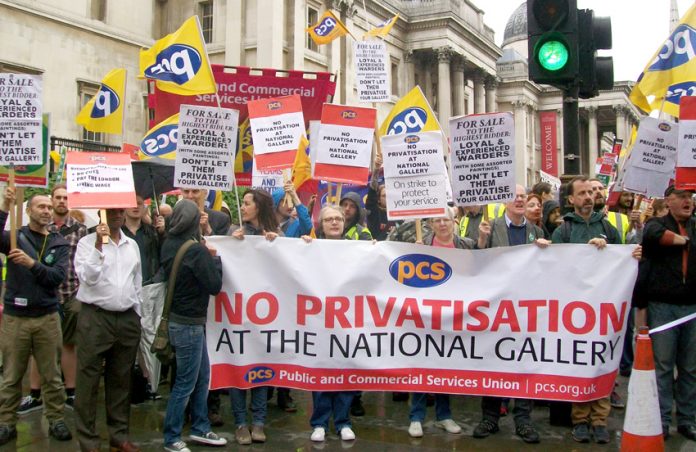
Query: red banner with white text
x=549 y=142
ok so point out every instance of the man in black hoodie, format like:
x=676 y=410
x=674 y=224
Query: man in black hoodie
x=31 y=324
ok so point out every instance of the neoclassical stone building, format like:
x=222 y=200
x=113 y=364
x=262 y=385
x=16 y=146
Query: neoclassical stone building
x=444 y=46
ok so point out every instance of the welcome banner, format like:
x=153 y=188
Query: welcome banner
x=349 y=315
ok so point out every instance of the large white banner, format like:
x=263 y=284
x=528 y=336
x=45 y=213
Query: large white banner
x=349 y=315
x=20 y=119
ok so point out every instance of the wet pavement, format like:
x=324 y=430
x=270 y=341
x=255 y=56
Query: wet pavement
x=383 y=428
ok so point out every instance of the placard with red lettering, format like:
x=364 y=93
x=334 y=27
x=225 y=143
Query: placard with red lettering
x=413 y=318
x=344 y=144
x=686 y=150
x=100 y=180
x=277 y=125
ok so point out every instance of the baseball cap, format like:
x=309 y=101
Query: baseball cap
x=672 y=189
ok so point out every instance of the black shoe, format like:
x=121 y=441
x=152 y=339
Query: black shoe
x=687 y=431
x=286 y=403
x=527 y=433
x=601 y=434
x=485 y=429
x=356 y=407
x=215 y=419
x=59 y=431
x=7 y=432
x=581 y=433
x=400 y=396
x=626 y=372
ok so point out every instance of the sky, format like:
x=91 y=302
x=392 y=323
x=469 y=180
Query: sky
x=639 y=27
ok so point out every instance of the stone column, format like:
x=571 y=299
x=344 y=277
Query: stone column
x=479 y=93
x=491 y=85
x=233 y=33
x=520 y=112
x=592 y=139
x=428 y=79
x=620 y=112
x=444 y=90
x=410 y=63
x=299 y=36
x=458 y=107
x=269 y=36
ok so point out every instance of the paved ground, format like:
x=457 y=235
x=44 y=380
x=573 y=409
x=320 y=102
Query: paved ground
x=384 y=428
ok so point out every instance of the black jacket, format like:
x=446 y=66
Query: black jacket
x=219 y=221
x=33 y=292
x=200 y=274
x=377 y=221
x=660 y=277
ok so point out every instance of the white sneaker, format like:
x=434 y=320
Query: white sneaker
x=318 y=434
x=449 y=426
x=347 y=434
x=210 y=439
x=415 y=430
x=178 y=446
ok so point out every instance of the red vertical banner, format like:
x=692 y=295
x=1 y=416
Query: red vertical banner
x=549 y=142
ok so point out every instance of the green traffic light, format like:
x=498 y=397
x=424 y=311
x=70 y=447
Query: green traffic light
x=553 y=55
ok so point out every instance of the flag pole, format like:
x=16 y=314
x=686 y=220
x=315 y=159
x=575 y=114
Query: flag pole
x=13 y=211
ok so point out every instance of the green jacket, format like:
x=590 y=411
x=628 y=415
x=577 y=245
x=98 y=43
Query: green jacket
x=576 y=230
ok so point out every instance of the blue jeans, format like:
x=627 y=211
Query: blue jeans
x=192 y=380
x=418 y=402
x=674 y=347
x=258 y=405
x=326 y=403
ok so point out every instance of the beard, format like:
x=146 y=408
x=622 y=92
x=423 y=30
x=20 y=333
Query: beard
x=599 y=205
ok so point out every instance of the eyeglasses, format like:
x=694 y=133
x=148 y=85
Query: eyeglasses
x=522 y=197
x=333 y=219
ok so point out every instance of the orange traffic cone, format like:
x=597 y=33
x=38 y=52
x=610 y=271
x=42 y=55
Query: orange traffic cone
x=642 y=430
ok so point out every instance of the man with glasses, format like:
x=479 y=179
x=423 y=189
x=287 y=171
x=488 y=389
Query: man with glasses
x=511 y=229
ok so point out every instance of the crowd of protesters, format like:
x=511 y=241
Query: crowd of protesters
x=73 y=301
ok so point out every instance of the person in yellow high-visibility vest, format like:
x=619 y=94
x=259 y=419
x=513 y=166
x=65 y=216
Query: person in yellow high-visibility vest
x=471 y=217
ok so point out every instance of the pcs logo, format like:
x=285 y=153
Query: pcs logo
x=177 y=63
x=259 y=375
x=325 y=27
x=420 y=270
x=410 y=120
x=410 y=139
x=161 y=141
x=349 y=114
x=677 y=50
x=105 y=102
x=676 y=91
x=665 y=127
x=275 y=105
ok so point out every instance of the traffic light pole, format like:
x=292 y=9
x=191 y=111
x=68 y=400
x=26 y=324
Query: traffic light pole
x=571 y=137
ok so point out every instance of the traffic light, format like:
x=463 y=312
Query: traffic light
x=552 y=41
x=595 y=72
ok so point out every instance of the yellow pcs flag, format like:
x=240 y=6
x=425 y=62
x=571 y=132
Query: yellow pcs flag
x=412 y=113
x=327 y=29
x=302 y=167
x=671 y=71
x=160 y=141
x=179 y=62
x=382 y=29
x=244 y=157
x=104 y=112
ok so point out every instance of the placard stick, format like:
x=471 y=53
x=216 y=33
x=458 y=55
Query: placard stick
x=485 y=212
x=339 y=190
x=13 y=212
x=329 y=201
x=419 y=231
x=287 y=178
x=377 y=140
x=102 y=219
x=636 y=206
x=19 y=204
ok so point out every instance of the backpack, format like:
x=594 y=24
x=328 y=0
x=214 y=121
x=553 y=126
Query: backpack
x=567 y=227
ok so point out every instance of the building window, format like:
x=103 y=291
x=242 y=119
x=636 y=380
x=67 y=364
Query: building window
x=206 y=16
x=312 y=18
x=395 y=79
x=98 y=11
x=86 y=92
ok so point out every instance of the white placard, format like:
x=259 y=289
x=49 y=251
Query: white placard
x=686 y=149
x=413 y=155
x=100 y=178
x=554 y=181
x=483 y=158
x=277 y=133
x=267 y=180
x=655 y=148
x=20 y=119
x=372 y=71
x=345 y=145
x=205 y=148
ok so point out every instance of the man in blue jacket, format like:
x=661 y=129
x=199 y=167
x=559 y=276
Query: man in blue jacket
x=31 y=323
